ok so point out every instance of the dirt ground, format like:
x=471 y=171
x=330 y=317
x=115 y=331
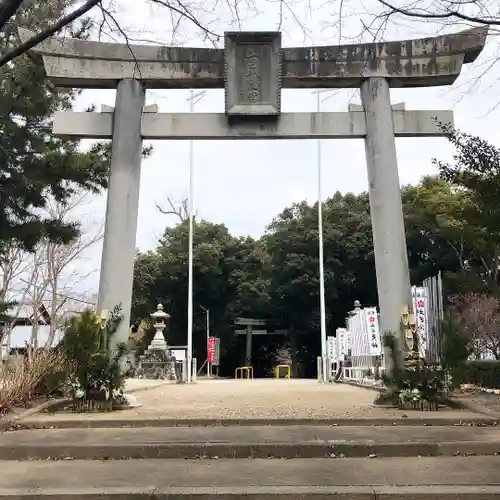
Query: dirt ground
x=489 y=401
x=261 y=398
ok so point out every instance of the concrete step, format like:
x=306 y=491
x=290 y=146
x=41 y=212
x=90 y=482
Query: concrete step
x=306 y=441
x=98 y=421
x=375 y=492
x=426 y=478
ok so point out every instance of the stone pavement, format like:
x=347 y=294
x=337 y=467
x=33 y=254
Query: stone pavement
x=260 y=398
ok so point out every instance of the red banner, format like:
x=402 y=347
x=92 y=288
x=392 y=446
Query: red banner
x=211 y=349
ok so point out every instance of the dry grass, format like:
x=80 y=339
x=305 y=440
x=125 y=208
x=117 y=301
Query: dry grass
x=19 y=378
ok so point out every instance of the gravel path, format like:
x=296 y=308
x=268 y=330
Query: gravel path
x=263 y=398
x=489 y=401
x=139 y=384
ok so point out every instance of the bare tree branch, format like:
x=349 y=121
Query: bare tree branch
x=7 y=9
x=451 y=13
x=61 y=279
x=13 y=288
x=183 y=11
x=180 y=210
x=47 y=277
x=193 y=11
x=40 y=37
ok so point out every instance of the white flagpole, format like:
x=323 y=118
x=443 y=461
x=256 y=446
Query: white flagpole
x=322 y=311
x=193 y=99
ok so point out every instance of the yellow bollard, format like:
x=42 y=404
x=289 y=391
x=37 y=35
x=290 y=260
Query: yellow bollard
x=288 y=371
x=244 y=369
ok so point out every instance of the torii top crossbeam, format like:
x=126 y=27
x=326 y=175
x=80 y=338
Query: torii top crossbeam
x=410 y=63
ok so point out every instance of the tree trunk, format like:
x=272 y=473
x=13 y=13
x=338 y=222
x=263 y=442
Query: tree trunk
x=494 y=268
x=293 y=348
x=53 y=315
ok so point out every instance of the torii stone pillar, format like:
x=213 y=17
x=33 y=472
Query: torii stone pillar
x=386 y=209
x=122 y=207
x=252 y=68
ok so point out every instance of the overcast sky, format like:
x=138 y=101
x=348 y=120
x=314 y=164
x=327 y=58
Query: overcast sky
x=244 y=184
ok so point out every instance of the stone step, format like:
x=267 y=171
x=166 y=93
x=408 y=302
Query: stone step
x=375 y=492
x=453 y=478
x=97 y=421
x=306 y=441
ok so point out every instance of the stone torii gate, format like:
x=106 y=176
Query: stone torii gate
x=253 y=68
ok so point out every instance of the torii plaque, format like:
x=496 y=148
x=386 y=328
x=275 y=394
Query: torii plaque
x=253 y=68
x=252 y=76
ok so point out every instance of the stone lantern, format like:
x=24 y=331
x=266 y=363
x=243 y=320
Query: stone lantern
x=157 y=361
x=159 y=317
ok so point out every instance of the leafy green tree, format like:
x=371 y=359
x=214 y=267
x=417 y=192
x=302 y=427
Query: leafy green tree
x=349 y=254
x=251 y=279
x=456 y=346
x=475 y=171
x=230 y=279
x=277 y=276
x=146 y=276
x=35 y=166
x=439 y=235
x=214 y=253
x=292 y=243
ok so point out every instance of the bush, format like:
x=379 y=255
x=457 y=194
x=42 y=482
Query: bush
x=484 y=373
x=412 y=381
x=54 y=384
x=456 y=348
x=98 y=368
x=21 y=379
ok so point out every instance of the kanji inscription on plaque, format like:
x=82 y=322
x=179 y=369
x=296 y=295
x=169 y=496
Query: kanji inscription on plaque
x=253 y=74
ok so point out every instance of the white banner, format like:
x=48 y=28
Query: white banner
x=373 y=331
x=359 y=334
x=420 y=311
x=331 y=347
x=349 y=336
x=342 y=343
